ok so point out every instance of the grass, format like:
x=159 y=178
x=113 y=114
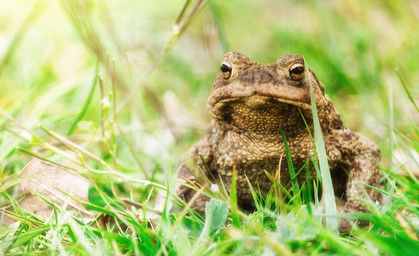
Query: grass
x=116 y=92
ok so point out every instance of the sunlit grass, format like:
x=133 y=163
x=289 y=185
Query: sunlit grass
x=116 y=91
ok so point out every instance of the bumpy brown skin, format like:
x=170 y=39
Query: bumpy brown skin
x=250 y=105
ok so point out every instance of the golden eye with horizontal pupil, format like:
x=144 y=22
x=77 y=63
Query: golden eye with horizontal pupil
x=226 y=69
x=297 y=71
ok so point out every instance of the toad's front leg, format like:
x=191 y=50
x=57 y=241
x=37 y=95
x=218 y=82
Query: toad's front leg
x=362 y=157
x=194 y=171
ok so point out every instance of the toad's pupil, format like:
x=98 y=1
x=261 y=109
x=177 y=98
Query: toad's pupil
x=225 y=68
x=298 y=70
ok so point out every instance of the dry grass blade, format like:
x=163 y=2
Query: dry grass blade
x=159 y=106
x=27 y=135
x=77 y=149
x=187 y=207
x=80 y=13
x=81 y=151
x=178 y=28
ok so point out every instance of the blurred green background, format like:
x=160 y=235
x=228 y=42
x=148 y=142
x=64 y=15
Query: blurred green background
x=49 y=51
x=116 y=90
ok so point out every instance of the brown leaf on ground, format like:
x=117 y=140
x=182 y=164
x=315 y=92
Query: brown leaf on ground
x=54 y=183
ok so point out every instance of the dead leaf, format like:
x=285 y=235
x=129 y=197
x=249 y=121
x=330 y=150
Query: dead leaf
x=54 y=183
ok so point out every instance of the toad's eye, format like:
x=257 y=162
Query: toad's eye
x=226 y=69
x=297 y=71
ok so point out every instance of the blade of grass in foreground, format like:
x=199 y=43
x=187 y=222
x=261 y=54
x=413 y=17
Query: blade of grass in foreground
x=233 y=201
x=295 y=186
x=86 y=103
x=329 y=195
x=184 y=19
x=392 y=181
x=406 y=89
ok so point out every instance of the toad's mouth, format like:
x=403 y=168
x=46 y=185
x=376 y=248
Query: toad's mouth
x=288 y=95
x=258 y=100
x=260 y=114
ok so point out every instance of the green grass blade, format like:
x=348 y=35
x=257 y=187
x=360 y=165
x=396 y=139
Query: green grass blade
x=406 y=89
x=27 y=236
x=86 y=103
x=295 y=186
x=254 y=195
x=392 y=181
x=216 y=212
x=233 y=201
x=328 y=192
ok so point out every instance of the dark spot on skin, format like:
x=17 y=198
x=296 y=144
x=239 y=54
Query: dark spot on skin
x=247 y=78
x=375 y=153
x=226 y=114
x=337 y=123
x=227 y=118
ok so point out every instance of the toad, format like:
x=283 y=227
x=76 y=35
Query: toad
x=254 y=106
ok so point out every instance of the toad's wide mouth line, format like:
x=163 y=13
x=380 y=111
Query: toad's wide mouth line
x=256 y=100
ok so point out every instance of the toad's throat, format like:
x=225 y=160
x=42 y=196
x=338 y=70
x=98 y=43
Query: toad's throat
x=259 y=115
